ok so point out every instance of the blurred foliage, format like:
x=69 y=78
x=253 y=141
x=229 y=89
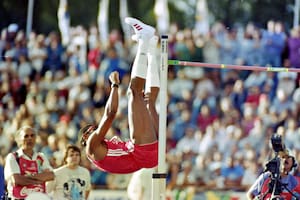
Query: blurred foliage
x=85 y=12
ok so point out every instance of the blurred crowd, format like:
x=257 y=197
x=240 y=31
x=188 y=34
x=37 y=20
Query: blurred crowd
x=219 y=121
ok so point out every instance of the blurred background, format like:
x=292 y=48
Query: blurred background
x=183 y=12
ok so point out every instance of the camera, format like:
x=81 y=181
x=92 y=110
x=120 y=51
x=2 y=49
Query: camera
x=273 y=166
x=276 y=142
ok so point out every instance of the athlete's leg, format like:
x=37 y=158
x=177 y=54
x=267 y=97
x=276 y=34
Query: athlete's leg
x=152 y=82
x=140 y=122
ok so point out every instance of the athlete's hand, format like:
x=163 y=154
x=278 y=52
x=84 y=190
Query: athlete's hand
x=114 y=78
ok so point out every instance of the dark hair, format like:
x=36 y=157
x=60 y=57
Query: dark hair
x=295 y=165
x=71 y=147
x=82 y=137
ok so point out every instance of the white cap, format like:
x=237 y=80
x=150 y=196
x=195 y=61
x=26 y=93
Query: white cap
x=13 y=28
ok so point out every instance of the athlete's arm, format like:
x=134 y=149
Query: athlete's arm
x=95 y=149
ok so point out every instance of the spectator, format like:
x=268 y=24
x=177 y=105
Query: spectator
x=55 y=53
x=208 y=140
x=238 y=95
x=201 y=171
x=287 y=82
x=20 y=47
x=26 y=168
x=293 y=43
x=205 y=117
x=172 y=175
x=178 y=85
x=37 y=54
x=189 y=142
x=94 y=56
x=292 y=136
x=186 y=180
x=211 y=49
x=273 y=40
x=233 y=173
x=50 y=149
x=180 y=124
x=282 y=103
x=25 y=70
x=112 y=62
x=229 y=49
x=72 y=181
x=8 y=65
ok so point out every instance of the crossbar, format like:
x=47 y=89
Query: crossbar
x=237 y=67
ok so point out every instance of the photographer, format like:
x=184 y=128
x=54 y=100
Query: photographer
x=286 y=183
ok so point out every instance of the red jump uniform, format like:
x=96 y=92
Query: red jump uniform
x=126 y=157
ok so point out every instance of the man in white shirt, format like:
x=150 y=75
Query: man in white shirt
x=26 y=171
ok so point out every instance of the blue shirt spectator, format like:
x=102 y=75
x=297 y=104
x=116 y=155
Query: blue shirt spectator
x=273 y=42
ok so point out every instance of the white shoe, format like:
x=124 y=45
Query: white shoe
x=142 y=31
x=153 y=40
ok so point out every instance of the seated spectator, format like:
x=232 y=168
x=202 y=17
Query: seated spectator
x=292 y=136
x=232 y=172
x=37 y=54
x=238 y=95
x=205 y=117
x=287 y=82
x=201 y=171
x=293 y=44
x=9 y=65
x=186 y=180
x=255 y=78
x=180 y=124
x=113 y=62
x=55 y=53
x=251 y=172
x=188 y=143
x=282 y=102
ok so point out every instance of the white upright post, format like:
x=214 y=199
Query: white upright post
x=159 y=178
x=296 y=13
x=29 y=17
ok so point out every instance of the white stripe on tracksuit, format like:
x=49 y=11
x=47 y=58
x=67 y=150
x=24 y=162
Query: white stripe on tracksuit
x=116 y=152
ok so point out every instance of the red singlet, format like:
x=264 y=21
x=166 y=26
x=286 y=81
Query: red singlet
x=126 y=157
